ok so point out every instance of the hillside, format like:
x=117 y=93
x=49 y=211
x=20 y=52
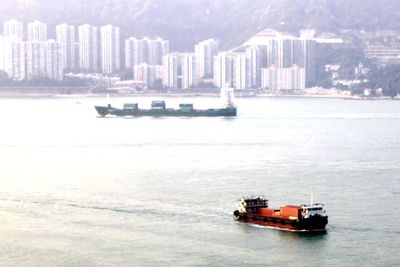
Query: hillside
x=185 y=22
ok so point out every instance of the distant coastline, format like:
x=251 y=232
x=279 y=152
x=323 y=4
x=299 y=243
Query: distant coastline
x=70 y=91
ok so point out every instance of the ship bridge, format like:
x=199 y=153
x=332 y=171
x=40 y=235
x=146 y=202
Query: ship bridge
x=312 y=210
x=251 y=204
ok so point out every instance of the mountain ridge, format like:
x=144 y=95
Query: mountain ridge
x=185 y=22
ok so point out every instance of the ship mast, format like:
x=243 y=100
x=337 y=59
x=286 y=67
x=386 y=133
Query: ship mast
x=227 y=97
x=108 y=100
x=312 y=197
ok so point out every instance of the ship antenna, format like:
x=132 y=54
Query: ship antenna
x=312 y=197
x=108 y=99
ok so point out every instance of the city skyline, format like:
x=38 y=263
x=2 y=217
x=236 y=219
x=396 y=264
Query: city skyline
x=268 y=60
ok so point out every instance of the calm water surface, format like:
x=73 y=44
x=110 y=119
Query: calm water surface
x=78 y=190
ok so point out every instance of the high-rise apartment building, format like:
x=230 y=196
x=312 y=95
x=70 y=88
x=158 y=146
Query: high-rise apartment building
x=309 y=63
x=54 y=60
x=43 y=60
x=157 y=48
x=13 y=28
x=158 y=76
x=171 y=70
x=188 y=67
x=223 y=69
x=66 y=38
x=110 y=55
x=35 y=59
x=146 y=50
x=179 y=70
x=283 y=78
x=37 y=31
x=2 y=52
x=145 y=73
x=231 y=70
x=12 y=57
x=253 y=71
x=135 y=52
x=88 y=48
x=240 y=78
x=282 y=50
x=205 y=52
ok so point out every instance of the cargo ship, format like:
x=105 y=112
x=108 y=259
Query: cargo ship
x=159 y=109
x=301 y=218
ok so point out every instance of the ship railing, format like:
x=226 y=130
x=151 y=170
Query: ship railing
x=253 y=197
x=312 y=205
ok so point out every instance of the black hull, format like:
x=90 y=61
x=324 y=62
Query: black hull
x=316 y=223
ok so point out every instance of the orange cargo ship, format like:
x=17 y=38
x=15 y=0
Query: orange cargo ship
x=292 y=218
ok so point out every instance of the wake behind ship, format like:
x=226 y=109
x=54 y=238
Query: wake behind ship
x=302 y=218
x=159 y=109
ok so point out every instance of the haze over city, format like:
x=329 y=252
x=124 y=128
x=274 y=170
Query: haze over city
x=199 y=132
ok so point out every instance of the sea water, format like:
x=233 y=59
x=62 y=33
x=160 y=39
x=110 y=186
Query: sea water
x=80 y=190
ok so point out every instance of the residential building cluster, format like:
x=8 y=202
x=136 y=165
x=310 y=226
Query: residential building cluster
x=270 y=59
x=145 y=58
x=34 y=56
x=30 y=54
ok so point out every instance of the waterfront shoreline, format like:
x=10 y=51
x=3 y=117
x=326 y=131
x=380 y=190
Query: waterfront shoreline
x=47 y=95
x=70 y=92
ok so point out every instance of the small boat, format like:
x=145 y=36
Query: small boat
x=299 y=218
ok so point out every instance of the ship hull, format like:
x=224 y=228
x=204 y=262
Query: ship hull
x=312 y=224
x=223 y=112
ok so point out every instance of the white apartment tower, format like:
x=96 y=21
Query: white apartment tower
x=156 y=49
x=179 y=70
x=13 y=28
x=188 y=67
x=66 y=38
x=12 y=57
x=3 y=53
x=37 y=31
x=283 y=78
x=171 y=71
x=309 y=60
x=43 y=60
x=135 y=52
x=35 y=59
x=146 y=50
x=88 y=52
x=254 y=61
x=205 y=52
x=146 y=73
x=223 y=69
x=54 y=60
x=240 y=79
x=110 y=57
x=231 y=70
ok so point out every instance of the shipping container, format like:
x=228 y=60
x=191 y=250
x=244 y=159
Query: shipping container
x=266 y=211
x=131 y=106
x=290 y=211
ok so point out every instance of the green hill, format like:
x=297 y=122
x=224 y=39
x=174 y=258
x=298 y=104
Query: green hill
x=185 y=22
